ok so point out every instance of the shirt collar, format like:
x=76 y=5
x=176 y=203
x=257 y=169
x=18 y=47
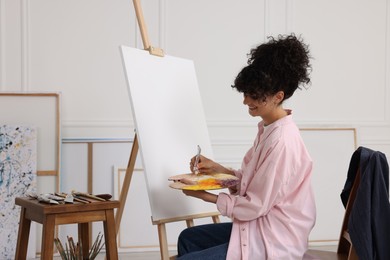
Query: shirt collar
x=282 y=121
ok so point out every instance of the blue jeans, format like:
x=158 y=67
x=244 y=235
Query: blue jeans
x=204 y=242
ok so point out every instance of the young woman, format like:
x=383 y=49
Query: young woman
x=272 y=208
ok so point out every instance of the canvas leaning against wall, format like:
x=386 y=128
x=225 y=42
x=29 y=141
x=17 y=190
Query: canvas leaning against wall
x=18 y=159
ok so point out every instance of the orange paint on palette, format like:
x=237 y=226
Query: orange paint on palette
x=206 y=184
x=211 y=181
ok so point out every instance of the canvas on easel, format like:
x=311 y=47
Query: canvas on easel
x=170 y=123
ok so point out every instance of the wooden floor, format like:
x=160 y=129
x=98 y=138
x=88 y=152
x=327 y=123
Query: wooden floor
x=155 y=255
x=125 y=256
x=142 y=256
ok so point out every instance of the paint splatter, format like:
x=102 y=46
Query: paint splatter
x=18 y=166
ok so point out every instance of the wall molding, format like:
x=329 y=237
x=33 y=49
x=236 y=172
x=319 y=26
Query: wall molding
x=290 y=15
x=98 y=123
x=137 y=34
x=25 y=37
x=301 y=124
x=367 y=132
x=2 y=45
x=161 y=23
x=266 y=19
x=387 y=62
x=368 y=141
x=227 y=123
x=286 y=13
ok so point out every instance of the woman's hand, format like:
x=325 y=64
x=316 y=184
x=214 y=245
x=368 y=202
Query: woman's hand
x=208 y=166
x=201 y=194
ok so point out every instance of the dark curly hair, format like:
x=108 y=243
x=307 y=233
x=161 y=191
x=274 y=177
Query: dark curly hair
x=281 y=64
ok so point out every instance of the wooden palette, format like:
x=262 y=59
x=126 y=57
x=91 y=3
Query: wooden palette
x=213 y=181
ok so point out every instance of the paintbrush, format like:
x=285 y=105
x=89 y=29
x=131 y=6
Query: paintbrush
x=86 y=195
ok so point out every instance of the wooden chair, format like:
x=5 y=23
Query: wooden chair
x=345 y=249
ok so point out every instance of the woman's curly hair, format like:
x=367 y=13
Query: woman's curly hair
x=281 y=64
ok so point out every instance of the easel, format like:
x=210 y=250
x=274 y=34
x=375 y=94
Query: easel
x=130 y=167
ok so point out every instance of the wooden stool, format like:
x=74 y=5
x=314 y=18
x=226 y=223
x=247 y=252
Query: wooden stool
x=51 y=215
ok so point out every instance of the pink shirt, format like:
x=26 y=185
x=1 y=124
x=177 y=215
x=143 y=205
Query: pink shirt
x=273 y=211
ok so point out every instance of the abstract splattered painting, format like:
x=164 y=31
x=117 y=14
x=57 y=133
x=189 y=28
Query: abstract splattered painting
x=18 y=168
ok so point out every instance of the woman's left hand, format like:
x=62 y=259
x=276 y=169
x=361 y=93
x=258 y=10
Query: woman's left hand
x=201 y=194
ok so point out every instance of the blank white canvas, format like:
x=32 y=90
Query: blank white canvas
x=170 y=123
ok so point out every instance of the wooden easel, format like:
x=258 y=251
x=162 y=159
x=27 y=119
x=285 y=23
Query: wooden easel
x=133 y=155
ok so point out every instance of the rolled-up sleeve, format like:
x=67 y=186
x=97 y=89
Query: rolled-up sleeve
x=225 y=204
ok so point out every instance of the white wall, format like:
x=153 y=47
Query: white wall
x=72 y=46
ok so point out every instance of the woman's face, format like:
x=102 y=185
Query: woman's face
x=256 y=107
x=269 y=108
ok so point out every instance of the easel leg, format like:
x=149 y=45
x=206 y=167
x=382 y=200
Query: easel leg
x=162 y=236
x=126 y=184
x=190 y=222
x=216 y=219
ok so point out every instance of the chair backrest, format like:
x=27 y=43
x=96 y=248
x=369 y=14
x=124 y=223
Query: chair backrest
x=345 y=246
x=366 y=227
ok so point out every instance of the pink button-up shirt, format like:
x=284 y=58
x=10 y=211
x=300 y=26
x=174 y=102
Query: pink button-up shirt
x=273 y=211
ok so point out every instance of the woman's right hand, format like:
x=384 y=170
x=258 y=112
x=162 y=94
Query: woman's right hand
x=207 y=166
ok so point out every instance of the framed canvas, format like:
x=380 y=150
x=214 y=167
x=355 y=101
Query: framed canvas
x=42 y=112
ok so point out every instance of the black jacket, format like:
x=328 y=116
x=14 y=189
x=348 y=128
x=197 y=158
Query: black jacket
x=369 y=222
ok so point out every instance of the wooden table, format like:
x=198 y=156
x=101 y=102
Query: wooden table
x=50 y=215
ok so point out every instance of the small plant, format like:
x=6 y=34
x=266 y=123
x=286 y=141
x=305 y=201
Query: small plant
x=74 y=251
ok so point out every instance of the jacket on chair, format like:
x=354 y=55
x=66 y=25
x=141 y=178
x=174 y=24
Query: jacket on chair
x=369 y=221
